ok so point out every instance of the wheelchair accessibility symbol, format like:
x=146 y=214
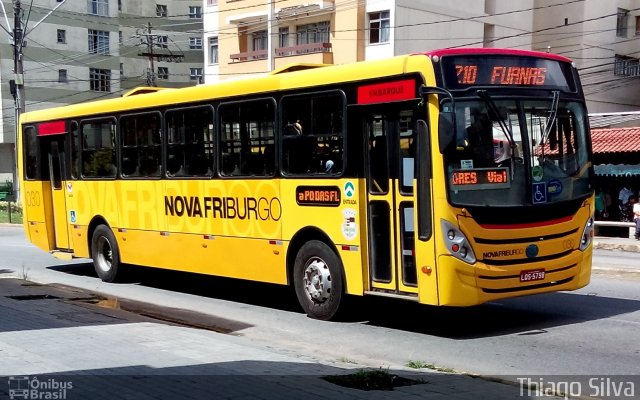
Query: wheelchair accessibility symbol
x=539 y=192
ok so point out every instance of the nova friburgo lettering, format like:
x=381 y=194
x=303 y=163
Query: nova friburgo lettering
x=243 y=208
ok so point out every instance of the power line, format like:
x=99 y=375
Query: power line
x=349 y=3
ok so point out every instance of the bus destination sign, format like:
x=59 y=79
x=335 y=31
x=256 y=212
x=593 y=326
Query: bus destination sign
x=480 y=178
x=387 y=92
x=318 y=196
x=462 y=72
x=503 y=75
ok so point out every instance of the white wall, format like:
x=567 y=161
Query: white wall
x=211 y=25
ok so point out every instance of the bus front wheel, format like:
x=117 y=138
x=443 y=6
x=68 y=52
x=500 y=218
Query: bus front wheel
x=105 y=253
x=317 y=277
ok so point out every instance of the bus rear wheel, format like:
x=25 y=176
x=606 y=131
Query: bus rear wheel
x=105 y=253
x=317 y=277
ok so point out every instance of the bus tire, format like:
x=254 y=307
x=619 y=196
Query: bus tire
x=317 y=276
x=105 y=253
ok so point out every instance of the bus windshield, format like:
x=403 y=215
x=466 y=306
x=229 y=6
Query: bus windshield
x=518 y=152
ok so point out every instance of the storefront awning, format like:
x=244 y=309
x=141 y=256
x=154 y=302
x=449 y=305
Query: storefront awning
x=617 y=169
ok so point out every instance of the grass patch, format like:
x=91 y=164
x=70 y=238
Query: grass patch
x=16 y=213
x=420 y=364
x=371 y=380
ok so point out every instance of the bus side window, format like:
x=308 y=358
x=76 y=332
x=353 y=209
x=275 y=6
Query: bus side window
x=30 y=152
x=191 y=142
x=247 y=130
x=98 y=151
x=141 y=145
x=313 y=133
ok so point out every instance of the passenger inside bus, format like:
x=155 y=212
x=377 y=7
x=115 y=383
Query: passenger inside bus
x=480 y=134
x=174 y=167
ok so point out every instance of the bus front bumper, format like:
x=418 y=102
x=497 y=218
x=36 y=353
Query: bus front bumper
x=462 y=284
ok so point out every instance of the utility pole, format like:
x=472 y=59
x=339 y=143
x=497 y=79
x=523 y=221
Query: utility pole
x=16 y=85
x=148 y=39
x=17 y=90
x=18 y=66
x=151 y=74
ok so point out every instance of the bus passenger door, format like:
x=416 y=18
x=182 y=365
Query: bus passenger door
x=54 y=146
x=391 y=139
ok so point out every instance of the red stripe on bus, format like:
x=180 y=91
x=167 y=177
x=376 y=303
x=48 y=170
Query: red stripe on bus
x=52 y=128
x=387 y=91
x=529 y=225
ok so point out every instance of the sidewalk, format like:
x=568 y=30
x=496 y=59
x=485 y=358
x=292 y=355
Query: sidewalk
x=60 y=336
x=622 y=244
x=58 y=341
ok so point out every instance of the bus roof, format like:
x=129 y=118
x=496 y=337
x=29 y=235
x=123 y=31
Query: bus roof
x=295 y=78
x=298 y=78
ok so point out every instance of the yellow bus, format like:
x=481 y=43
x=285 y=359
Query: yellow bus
x=453 y=177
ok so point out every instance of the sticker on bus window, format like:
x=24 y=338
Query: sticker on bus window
x=539 y=192
x=554 y=187
x=537 y=173
x=466 y=164
x=349 y=226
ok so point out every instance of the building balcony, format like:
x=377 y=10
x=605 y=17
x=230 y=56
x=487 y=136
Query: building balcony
x=249 y=56
x=310 y=52
x=303 y=49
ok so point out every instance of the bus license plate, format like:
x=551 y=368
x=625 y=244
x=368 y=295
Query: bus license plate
x=532 y=275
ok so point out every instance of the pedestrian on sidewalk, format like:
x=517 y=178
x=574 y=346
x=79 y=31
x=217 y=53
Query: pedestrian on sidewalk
x=626 y=210
x=601 y=204
x=623 y=196
x=636 y=217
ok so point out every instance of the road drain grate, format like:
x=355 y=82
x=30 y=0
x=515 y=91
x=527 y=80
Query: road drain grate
x=33 y=297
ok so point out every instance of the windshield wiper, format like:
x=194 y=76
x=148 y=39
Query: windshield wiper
x=503 y=125
x=551 y=118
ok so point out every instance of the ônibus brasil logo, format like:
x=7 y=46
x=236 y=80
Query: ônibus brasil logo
x=349 y=189
x=24 y=387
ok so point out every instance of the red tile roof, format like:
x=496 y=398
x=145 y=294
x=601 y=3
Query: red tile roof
x=616 y=140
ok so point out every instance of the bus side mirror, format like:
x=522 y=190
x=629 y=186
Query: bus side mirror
x=447 y=117
x=446 y=132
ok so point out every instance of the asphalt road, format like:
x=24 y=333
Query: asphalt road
x=593 y=331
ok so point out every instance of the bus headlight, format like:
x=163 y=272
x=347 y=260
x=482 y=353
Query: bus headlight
x=457 y=243
x=587 y=235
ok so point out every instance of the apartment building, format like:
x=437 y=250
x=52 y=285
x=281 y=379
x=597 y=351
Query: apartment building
x=603 y=38
x=92 y=49
x=407 y=26
x=296 y=31
x=337 y=32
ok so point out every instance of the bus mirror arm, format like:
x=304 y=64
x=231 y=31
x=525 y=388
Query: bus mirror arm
x=447 y=117
x=423 y=176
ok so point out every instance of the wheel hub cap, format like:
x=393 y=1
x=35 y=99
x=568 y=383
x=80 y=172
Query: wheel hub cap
x=317 y=281
x=105 y=254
